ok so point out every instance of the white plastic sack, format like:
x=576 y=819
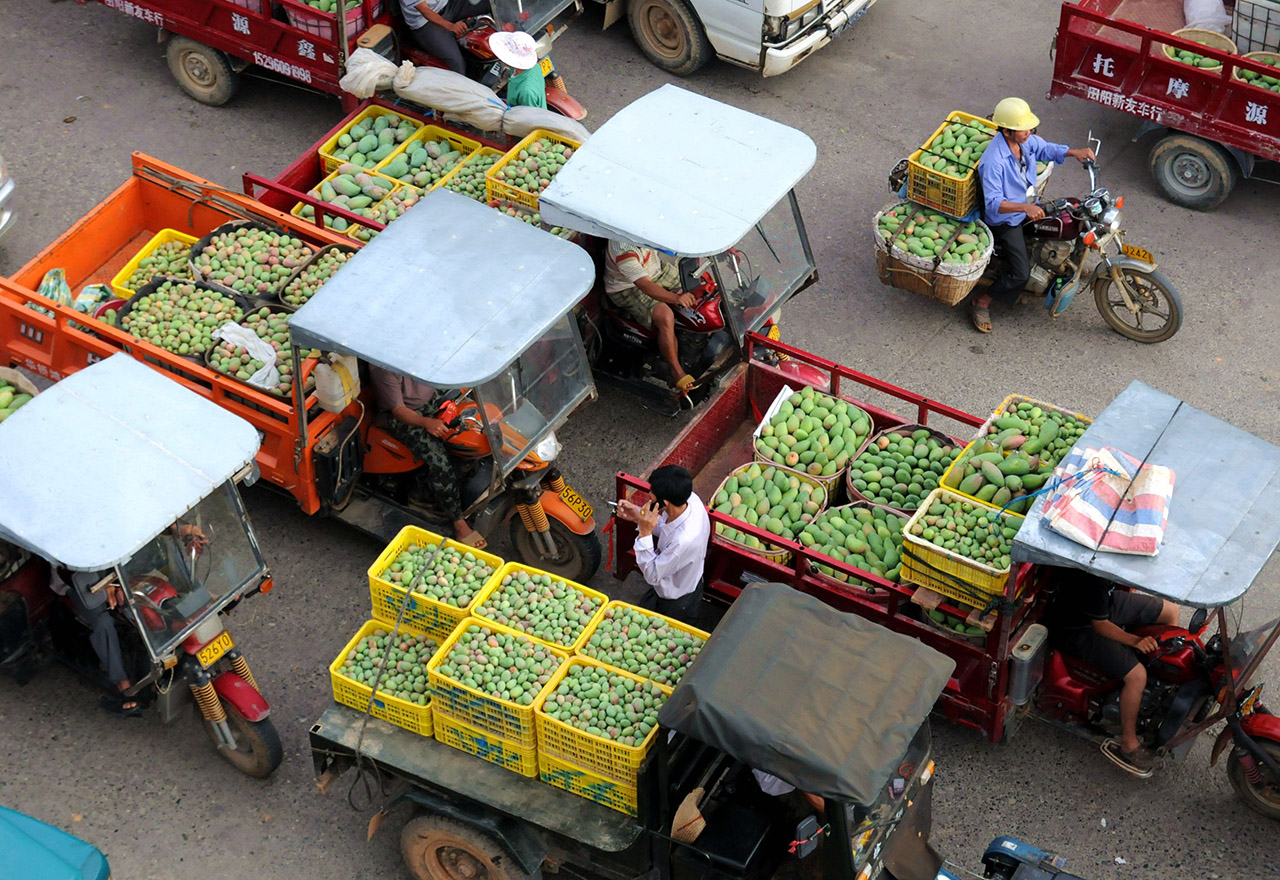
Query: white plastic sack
x=367 y=72
x=519 y=121
x=1209 y=15
x=453 y=95
x=266 y=378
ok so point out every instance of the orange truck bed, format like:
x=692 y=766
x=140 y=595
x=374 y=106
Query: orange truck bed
x=158 y=196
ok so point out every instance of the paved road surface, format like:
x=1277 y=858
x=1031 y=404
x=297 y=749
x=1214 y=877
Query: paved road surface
x=162 y=805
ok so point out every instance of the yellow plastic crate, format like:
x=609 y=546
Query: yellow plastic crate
x=483 y=151
x=503 y=718
x=164 y=236
x=436 y=618
x=951 y=480
x=584 y=650
x=1014 y=399
x=954 y=195
x=330 y=162
x=391 y=709
x=945 y=571
x=495 y=584
x=575 y=780
x=486 y=746
x=609 y=759
x=464 y=145
x=497 y=189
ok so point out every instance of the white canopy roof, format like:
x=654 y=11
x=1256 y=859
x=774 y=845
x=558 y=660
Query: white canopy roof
x=99 y=464
x=679 y=172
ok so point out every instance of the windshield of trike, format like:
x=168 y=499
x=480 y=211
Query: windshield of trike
x=530 y=16
x=537 y=391
x=192 y=568
x=765 y=268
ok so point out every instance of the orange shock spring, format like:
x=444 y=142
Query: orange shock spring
x=557 y=484
x=533 y=517
x=241 y=668
x=207 y=700
x=557 y=82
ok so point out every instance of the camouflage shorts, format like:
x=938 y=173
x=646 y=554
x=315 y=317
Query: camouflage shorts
x=635 y=304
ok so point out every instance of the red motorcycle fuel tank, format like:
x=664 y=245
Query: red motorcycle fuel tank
x=706 y=317
x=1057 y=227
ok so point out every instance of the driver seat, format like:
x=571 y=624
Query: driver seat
x=624 y=323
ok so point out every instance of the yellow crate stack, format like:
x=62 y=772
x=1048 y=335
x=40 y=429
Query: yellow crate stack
x=495 y=585
x=496 y=188
x=402 y=713
x=953 y=194
x=164 y=236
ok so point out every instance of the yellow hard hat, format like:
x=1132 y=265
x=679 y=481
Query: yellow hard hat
x=1014 y=114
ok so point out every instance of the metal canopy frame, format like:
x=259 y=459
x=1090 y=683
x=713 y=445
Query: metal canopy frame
x=1224 y=516
x=103 y=461
x=678 y=172
x=450 y=294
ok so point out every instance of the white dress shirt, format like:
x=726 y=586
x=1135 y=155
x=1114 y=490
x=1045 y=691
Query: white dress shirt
x=771 y=784
x=673 y=567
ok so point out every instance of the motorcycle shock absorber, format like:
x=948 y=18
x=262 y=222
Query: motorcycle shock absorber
x=555 y=481
x=240 y=667
x=1252 y=771
x=534 y=518
x=207 y=699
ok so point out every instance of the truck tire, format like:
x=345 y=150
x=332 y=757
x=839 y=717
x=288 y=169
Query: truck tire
x=436 y=848
x=669 y=34
x=1193 y=172
x=201 y=72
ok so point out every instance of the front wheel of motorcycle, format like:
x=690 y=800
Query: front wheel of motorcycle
x=1263 y=798
x=577 y=557
x=1159 y=312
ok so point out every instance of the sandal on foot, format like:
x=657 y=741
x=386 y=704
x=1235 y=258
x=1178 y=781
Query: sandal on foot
x=981 y=317
x=120 y=707
x=1141 y=762
x=475 y=539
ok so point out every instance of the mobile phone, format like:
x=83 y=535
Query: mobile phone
x=612 y=504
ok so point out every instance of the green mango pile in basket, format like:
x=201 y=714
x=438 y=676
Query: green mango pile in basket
x=1262 y=80
x=405 y=675
x=971 y=530
x=931 y=235
x=507 y=667
x=865 y=538
x=768 y=497
x=605 y=704
x=901 y=469
x=542 y=605
x=643 y=644
x=813 y=432
x=450 y=575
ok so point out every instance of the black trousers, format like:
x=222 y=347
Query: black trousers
x=435 y=40
x=1017 y=264
x=685 y=609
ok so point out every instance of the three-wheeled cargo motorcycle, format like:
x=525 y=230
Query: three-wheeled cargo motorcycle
x=823 y=702
x=167 y=533
x=710 y=187
x=504 y=344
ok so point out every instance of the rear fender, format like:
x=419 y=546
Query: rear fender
x=565 y=104
x=241 y=696
x=558 y=510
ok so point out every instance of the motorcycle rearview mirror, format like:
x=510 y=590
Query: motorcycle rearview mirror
x=1196 y=626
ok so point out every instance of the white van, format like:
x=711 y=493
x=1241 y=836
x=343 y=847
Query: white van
x=771 y=36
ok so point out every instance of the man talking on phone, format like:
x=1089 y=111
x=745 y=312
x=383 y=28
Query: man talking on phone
x=671 y=548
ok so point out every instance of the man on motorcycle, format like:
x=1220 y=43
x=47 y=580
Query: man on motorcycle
x=644 y=286
x=412 y=407
x=1088 y=618
x=1007 y=170
x=93 y=608
x=435 y=25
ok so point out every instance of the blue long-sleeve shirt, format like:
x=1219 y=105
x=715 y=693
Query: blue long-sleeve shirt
x=1004 y=179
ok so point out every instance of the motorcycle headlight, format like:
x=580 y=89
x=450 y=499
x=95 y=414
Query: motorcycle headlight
x=548 y=447
x=1111 y=219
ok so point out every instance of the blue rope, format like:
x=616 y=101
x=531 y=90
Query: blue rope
x=1053 y=484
